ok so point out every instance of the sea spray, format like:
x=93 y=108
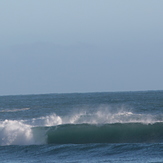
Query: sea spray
x=49 y=120
x=13 y=132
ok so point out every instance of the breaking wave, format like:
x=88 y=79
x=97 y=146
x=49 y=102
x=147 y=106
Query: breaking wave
x=83 y=127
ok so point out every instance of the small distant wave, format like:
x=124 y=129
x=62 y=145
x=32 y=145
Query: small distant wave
x=14 y=110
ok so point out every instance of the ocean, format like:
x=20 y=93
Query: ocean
x=82 y=127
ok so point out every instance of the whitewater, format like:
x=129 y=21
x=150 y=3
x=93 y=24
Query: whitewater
x=64 y=127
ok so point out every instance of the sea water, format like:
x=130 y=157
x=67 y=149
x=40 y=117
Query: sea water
x=81 y=127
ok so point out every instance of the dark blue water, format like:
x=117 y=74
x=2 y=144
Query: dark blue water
x=94 y=127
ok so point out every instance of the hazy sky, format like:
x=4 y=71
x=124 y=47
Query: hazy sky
x=64 y=46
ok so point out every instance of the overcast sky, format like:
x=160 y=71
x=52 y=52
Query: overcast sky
x=64 y=46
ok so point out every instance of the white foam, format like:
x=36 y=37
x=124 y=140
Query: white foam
x=14 y=132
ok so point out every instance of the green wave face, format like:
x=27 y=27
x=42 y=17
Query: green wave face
x=107 y=133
